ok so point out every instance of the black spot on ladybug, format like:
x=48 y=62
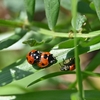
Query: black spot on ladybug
x=51 y=59
x=43 y=64
x=30 y=61
x=45 y=56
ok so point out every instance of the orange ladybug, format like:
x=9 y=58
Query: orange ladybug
x=46 y=59
x=33 y=56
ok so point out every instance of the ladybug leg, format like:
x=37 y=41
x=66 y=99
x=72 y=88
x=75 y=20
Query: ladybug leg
x=61 y=67
x=64 y=62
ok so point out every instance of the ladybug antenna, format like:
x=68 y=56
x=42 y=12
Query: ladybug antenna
x=63 y=61
x=60 y=67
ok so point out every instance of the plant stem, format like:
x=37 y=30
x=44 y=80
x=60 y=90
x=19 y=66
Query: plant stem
x=10 y=23
x=63 y=35
x=78 y=71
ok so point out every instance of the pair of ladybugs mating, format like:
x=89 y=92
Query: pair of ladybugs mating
x=42 y=59
x=45 y=59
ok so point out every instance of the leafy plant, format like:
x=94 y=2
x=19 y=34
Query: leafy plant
x=62 y=40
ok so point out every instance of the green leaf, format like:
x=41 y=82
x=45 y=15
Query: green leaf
x=40 y=24
x=30 y=7
x=90 y=73
x=91 y=41
x=92 y=6
x=69 y=43
x=12 y=39
x=33 y=42
x=15 y=71
x=94 y=47
x=80 y=20
x=86 y=73
x=97 y=7
x=50 y=76
x=84 y=8
x=52 y=10
x=52 y=95
x=36 y=41
x=66 y=4
x=75 y=96
x=81 y=50
x=84 y=49
x=94 y=63
x=66 y=44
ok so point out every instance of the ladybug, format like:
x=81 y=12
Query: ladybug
x=33 y=56
x=46 y=60
x=70 y=65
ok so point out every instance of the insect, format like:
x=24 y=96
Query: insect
x=41 y=59
x=46 y=59
x=69 y=65
x=33 y=56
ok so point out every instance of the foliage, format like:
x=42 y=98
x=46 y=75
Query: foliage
x=69 y=35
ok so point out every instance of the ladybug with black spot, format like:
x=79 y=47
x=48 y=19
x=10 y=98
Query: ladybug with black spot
x=69 y=65
x=41 y=59
x=46 y=60
x=33 y=56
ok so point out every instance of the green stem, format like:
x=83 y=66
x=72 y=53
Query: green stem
x=78 y=71
x=63 y=35
x=10 y=23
